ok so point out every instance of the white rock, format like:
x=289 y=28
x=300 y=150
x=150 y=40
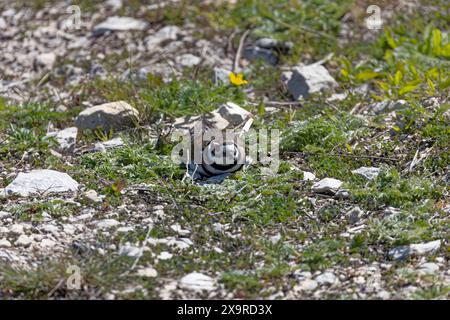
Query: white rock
x=308 y=176
x=309 y=79
x=306 y=285
x=228 y=115
x=354 y=215
x=104 y=145
x=47 y=243
x=119 y=24
x=275 y=239
x=130 y=251
x=221 y=76
x=164 y=34
x=45 y=60
x=4 y=215
x=147 y=272
x=384 y=295
x=428 y=268
x=327 y=185
x=69 y=229
x=419 y=249
x=92 y=196
x=370 y=173
x=49 y=228
x=326 y=278
x=81 y=217
x=114 y=115
x=41 y=181
x=165 y=255
x=425 y=248
x=4 y=243
x=124 y=229
x=388 y=106
x=337 y=97
x=178 y=229
x=106 y=223
x=16 y=229
x=187 y=60
x=66 y=139
x=23 y=241
x=197 y=282
x=182 y=243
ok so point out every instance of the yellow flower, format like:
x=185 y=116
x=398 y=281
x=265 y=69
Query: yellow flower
x=237 y=79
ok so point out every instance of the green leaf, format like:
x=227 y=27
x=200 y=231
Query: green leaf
x=383 y=85
x=433 y=73
x=367 y=75
x=445 y=84
x=408 y=87
x=398 y=77
x=432 y=86
x=349 y=148
x=390 y=40
x=445 y=51
x=345 y=73
x=436 y=42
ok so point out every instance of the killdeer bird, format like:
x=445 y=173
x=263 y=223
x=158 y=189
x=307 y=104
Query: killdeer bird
x=220 y=156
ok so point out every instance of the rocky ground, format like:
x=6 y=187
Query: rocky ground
x=92 y=206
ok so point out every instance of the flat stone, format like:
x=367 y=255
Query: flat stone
x=428 y=268
x=23 y=241
x=306 y=80
x=165 y=255
x=388 y=106
x=370 y=173
x=47 y=243
x=4 y=215
x=66 y=139
x=179 y=230
x=50 y=228
x=41 y=181
x=119 y=24
x=326 y=278
x=167 y=33
x=229 y=115
x=308 y=176
x=147 y=272
x=306 y=285
x=4 y=243
x=45 y=60
x=125 y=229
x=425 y=248
x=106 y=223
x=418 y=249
x=92 y=196
x=354 y=215
x=257 y=53
x=105 y=145
x=109 y=116
x=327 y=186
x=130 y=251
x=197 y=282
x=187 y=60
